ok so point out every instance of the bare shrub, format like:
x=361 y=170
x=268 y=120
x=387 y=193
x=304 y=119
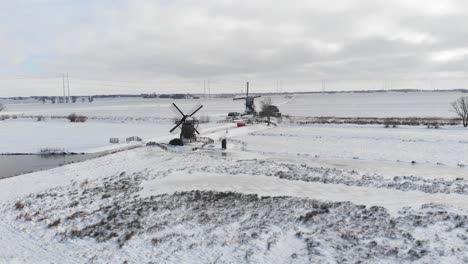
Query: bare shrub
x=4 y=117
x=123 y=239
x=82 y=119
x=19 y=205
x=40 y=118
x=74 y=118
x=390 y=123
x=2 y=107
x=434 y=125
x=54 y=223
x=460 y=107
x=49 y=151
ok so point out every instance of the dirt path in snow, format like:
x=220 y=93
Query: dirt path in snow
x=393 y=200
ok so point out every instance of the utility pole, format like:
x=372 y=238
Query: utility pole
x=204 y=89
x=68 y=87
x=63 y=85
x=209 y=88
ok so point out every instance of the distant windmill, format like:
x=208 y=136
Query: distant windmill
x=249 y=102
x=188 y=125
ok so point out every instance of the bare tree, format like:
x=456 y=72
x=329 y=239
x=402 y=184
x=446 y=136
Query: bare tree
x=267 y=110
x=460 y=107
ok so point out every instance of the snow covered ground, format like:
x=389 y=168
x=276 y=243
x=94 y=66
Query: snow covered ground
x=90 y=137
x=128 y=108
x=132 y=112
x=240 y=206
x=29 y=136
x=285 y=194
x=389 y=104
x=446 y=146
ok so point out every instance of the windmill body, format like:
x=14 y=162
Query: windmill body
x=249 y=102
x=187 y=124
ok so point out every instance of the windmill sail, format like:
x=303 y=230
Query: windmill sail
x=187 y=123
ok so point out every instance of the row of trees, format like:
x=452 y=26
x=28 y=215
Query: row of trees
x=62 y=100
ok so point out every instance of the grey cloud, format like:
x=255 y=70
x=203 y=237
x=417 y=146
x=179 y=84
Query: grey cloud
x=187 y=41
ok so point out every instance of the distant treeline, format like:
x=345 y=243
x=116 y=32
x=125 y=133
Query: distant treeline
x=227 y=95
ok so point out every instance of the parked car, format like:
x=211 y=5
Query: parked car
x=233 y=114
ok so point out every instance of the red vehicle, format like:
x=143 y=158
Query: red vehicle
x=240 y=124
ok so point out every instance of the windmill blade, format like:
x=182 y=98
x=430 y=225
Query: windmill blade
x=197 y=125
x=178 y=124
x=240 y=98
x=198 y=109
x=177 y=108
x=194 y=108
x=257 y=96
x=176 y=112
x=176 y=131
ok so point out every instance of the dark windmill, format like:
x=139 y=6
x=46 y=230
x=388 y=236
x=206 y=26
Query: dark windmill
x=188 y=126
x=249 y=102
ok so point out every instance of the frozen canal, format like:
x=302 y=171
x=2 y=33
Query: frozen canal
x=12 y=165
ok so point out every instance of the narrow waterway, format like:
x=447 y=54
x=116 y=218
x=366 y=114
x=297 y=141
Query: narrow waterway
x=13 y=165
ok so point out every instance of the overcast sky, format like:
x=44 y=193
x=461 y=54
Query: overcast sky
x=139 y=46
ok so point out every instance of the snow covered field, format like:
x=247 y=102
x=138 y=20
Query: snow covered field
x=29 y=136
x=445 y=146
x=389 y=104
x=127 y=108
x=285 y=194
x=92 y=135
